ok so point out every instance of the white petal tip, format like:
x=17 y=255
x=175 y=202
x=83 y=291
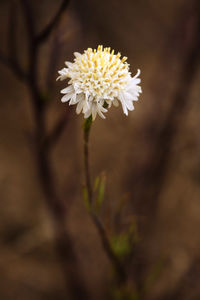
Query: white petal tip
x=77 y=54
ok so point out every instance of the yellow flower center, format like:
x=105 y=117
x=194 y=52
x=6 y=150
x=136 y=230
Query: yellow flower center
x=99 y=73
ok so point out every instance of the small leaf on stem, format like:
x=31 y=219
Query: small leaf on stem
x=86 y=199
x=96 y=183
x=101 y=190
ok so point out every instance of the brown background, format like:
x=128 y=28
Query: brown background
x=158 y=176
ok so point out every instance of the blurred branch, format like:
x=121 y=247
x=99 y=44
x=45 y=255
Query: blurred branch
x=12 y=26
x=11 y=61
x=58 y=129
x=55 y=203
x=28 y=18
x=13 y=66
x=162 y=136
x=44 y=34
x=149 y=181
x=168 y=133
x=117 y=265
x=53 y=58
x=57 y=208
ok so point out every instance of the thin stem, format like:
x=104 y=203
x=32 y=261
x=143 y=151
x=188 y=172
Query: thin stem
x=121 y=275
x=87 y=126
x=106 y=246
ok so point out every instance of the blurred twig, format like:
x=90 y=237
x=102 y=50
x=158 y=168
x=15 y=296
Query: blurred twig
x=186 y=40
x=53 y=59
x=43 y=35
x=56 y=132
x=44 y=141
x=10 y=63
x=28 y=18
x=149 y=181
x=171 y=127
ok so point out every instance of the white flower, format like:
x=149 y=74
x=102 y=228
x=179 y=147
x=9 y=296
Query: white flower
x=98 y=79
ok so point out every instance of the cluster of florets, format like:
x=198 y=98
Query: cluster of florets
x=98 y=79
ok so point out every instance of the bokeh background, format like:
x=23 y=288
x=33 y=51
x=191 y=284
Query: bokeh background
x=151 y=159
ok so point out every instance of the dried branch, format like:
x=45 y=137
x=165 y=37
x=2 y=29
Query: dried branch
x=14 y=67
x=28 y=17
x=52 y=62
x=57 y=208
x=57 y=131
x=12 y=26
x=168 y=132
x=154 y=173
x=43 y=35
x=55 y=203
x=11 y=61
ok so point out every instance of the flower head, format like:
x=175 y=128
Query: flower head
x=98 y=79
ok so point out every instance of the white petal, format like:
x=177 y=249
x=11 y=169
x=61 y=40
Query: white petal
x=129 y=105
x=123 y=102
x=87 y=114
x=100 y=113
x=62 y=71
x=137 y=80
x=68 y=64
x=135 y=91
x=94 y=111
x=73 y=100
x=79 y=98
x=66 y=97
x=125 y=109
x=63 y=74
x=86 y=106
x=103 y=109
x=128 y=96
x=79 y=107
x=67 y=90
x=77 y=54
x=137 y=74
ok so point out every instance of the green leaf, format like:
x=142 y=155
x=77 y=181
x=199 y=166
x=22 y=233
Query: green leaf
x=86 y=199
x=96 y=183
x=121 y=245
x=101 y=190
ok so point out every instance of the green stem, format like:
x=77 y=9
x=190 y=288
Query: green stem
x=97 y=222
x=86 y=127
